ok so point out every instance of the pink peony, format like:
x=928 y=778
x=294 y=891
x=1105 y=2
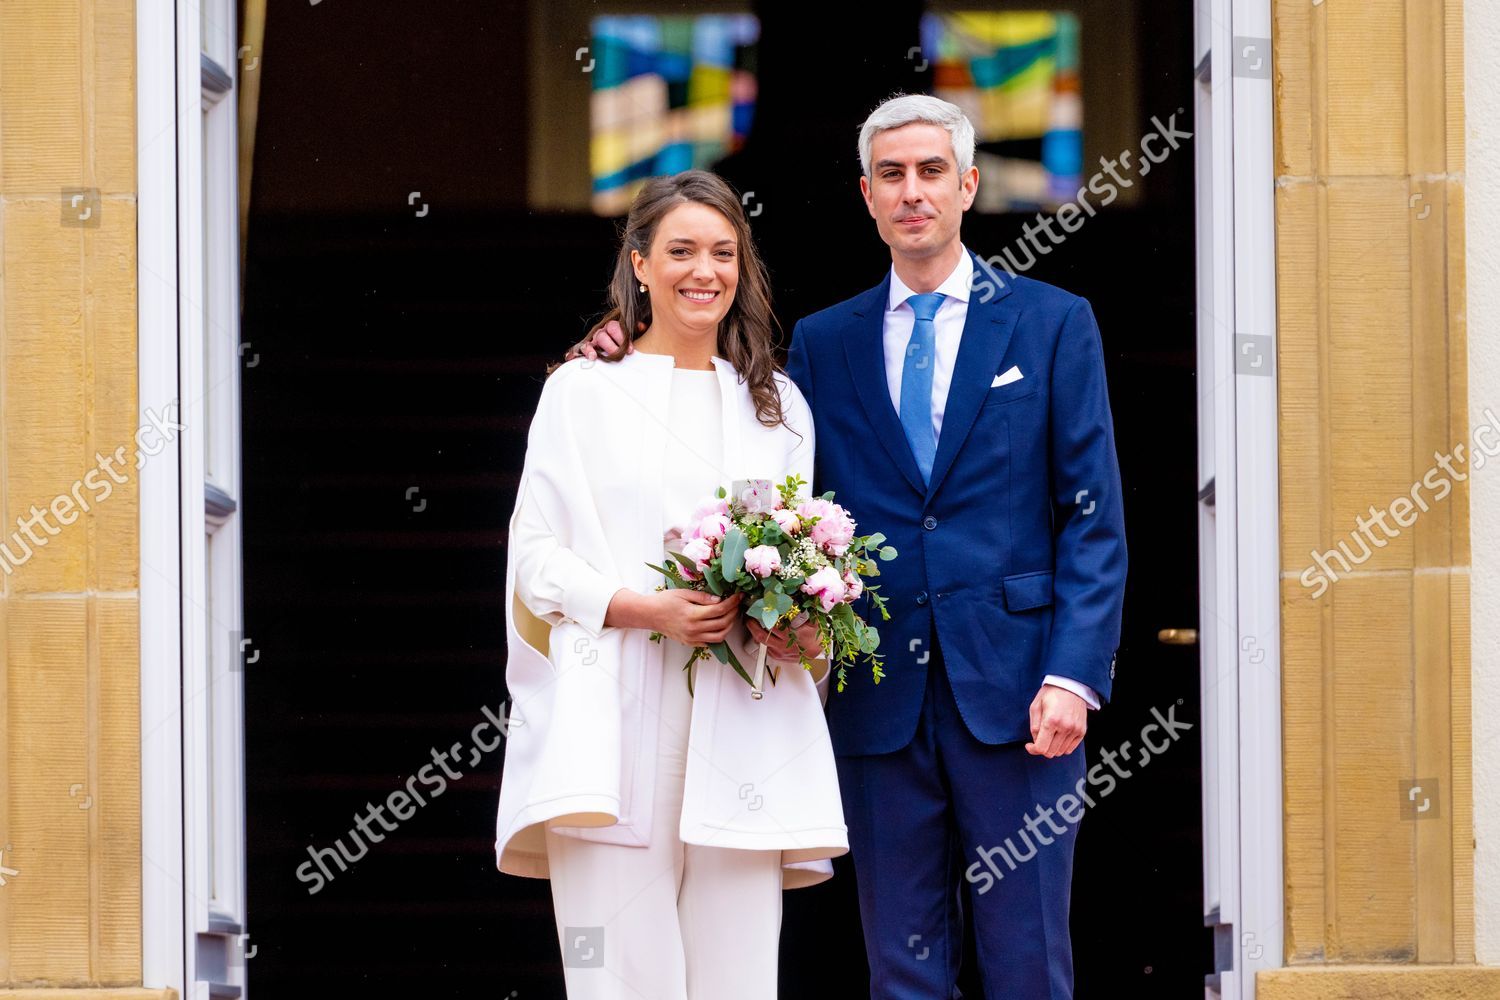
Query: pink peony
x=813 y=508
x=699 y=551
x=712 y=527
x=834 y=530
x=826 y=586
x=854 y=584
x=714 y=506
x=763 y=560
x=789 y=522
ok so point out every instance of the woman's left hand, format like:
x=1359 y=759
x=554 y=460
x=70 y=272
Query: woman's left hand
x=783 y=642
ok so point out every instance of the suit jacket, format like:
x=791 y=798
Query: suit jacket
x=1014 y=551
x=580 y=753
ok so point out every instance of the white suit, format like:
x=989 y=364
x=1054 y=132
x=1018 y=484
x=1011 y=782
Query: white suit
x=580 y=755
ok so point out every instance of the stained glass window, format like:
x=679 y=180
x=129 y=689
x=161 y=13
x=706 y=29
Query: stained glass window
x=668 y=94
x=1015 y=74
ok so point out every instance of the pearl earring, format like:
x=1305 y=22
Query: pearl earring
x=643 y=286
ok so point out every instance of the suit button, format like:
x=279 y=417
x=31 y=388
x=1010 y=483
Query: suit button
x=929 y=522
x=922 y=597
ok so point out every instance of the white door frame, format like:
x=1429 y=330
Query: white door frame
x=192 y=817
x=1239 y=531
x=162 y=894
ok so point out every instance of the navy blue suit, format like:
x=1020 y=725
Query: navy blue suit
x=1011 y=567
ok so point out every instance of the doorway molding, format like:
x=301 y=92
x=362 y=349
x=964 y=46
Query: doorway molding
x=1238 y=462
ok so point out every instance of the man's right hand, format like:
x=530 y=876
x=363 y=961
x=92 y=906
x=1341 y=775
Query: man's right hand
x=605 y=340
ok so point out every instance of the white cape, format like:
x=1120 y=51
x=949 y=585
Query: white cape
x=580 y=754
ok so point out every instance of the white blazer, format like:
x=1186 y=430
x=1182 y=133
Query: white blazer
x=580 y=757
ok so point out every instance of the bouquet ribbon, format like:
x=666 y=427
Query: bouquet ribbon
x=756 y=690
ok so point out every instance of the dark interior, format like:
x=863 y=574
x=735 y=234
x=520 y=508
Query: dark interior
x=398 y=359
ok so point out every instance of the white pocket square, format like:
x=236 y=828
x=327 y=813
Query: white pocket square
x=1011 y=374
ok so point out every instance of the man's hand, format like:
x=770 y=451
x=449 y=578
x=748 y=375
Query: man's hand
x=1059 y=719
x=782 y=644
x=605 y=340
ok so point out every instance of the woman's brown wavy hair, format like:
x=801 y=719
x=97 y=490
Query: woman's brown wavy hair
x=745 y=333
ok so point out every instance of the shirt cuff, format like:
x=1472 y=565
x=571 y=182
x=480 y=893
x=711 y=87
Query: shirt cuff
x=1077 y=687
x=586 y=600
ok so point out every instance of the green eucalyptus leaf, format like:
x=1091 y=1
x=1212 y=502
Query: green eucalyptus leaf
x=684 y=561
x=732 y=554
x=674 y=582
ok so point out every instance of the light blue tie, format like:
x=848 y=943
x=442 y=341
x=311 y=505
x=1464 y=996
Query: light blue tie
x=916 y=381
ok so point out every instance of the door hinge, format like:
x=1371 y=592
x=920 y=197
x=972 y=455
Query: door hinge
x=1223 y=950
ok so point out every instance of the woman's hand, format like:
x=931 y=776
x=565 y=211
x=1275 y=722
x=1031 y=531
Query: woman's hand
x=694 y=618
x=782 y=644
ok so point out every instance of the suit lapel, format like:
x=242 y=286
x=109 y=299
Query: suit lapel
x=864 y=349
x=987 y=331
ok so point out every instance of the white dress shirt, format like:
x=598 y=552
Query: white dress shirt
x=948 y=328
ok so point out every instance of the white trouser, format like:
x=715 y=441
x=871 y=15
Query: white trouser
x=673 y=921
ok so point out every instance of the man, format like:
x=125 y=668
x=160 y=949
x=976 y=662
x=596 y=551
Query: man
x=964 y=413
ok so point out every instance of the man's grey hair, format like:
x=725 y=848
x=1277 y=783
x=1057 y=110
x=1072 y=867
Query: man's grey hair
x=907 y=108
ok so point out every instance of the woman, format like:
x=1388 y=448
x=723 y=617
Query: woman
x=668 y=822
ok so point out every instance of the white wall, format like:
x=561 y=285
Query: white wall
x=1482 y=222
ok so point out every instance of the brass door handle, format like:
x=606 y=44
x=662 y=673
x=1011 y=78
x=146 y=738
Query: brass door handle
x=1178 y=636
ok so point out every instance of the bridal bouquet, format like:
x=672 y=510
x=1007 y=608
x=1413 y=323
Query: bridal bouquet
x=793 y=558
